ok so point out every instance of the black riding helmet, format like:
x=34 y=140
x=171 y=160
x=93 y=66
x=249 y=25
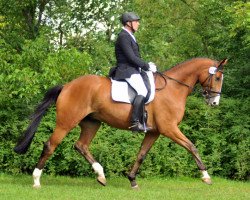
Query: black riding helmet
x=129 y=17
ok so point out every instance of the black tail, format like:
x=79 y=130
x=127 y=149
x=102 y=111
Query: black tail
x=26 y=139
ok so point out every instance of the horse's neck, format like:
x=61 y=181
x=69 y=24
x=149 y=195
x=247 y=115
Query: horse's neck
x=189 y=72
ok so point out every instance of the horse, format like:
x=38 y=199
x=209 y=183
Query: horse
x=86 y=101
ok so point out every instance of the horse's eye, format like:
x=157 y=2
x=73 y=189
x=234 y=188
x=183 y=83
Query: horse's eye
x=217 y=78
x=204 y=93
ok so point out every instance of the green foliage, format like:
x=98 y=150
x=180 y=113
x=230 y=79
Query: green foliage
x=98 y=46
x=68 y=63
x=34 y=53
x=179 y=30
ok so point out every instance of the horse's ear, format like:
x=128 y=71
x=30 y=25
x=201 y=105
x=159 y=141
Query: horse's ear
x=222 y=63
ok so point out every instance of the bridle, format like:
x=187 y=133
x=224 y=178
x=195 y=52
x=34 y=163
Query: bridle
x=207 y=89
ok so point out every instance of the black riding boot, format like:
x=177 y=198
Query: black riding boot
x=137 y=115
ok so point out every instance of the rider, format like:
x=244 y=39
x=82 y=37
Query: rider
x=130 y=65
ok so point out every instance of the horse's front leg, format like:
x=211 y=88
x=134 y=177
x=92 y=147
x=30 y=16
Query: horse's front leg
x=147 y=143
x=174 y=133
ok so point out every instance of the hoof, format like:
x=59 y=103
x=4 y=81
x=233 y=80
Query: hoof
x=207 y=181
x=36 y=186
x=136 y=187
x=102 y=180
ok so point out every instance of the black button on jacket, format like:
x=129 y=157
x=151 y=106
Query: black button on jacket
x=128 y=57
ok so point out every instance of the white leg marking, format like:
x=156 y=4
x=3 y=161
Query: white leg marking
x=205 y=175
x=98 y=169
x=206 y=178
x=36 y=177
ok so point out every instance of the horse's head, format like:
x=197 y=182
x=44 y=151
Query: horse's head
x=213 y=83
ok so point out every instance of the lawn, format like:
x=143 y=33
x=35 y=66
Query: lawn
x=20 y=187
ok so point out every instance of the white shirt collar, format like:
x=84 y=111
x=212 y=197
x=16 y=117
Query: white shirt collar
x=129 y=33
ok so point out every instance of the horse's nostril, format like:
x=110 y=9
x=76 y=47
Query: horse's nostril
x=214 y=103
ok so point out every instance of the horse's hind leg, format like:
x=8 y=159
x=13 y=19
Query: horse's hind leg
x=89 y=127
x=48 y=149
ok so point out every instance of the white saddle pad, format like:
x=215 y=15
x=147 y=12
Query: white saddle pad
x=119 y=90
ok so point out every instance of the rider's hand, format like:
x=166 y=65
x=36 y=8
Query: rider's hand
x=152 y=67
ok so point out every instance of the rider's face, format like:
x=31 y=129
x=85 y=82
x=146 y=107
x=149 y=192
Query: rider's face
x=135 y=25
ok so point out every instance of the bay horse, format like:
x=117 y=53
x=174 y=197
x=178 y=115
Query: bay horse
x=86 y=101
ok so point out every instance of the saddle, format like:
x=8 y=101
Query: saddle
x=121 y=91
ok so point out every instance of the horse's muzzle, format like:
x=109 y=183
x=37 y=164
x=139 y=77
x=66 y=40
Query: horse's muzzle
x=213 y=101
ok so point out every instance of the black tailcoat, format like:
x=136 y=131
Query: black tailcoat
x=128 y=57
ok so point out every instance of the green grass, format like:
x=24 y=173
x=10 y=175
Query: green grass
x=20 y=187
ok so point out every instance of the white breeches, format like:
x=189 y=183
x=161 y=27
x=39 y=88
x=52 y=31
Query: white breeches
x=137 y=83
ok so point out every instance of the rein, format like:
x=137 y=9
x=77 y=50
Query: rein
x=164 y=76
x=206 y=92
